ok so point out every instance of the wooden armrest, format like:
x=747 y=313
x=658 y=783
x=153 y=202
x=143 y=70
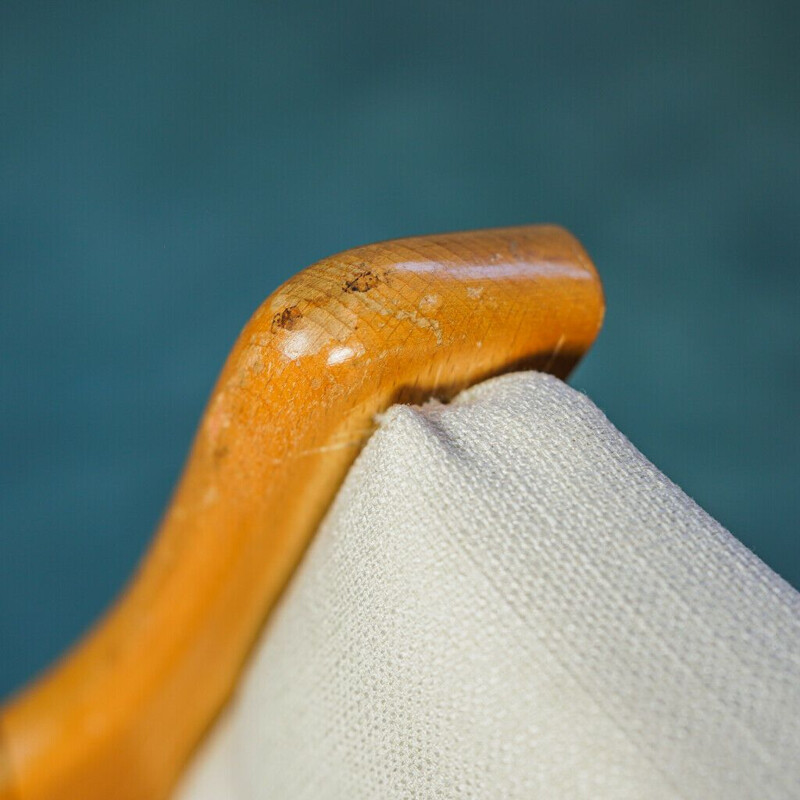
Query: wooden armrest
x=399 y=321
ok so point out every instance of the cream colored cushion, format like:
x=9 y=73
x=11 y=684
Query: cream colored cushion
x=508 y=600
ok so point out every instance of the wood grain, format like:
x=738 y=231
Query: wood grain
x=341 y=341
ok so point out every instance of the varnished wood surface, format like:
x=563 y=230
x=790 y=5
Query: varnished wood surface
x=117 y=718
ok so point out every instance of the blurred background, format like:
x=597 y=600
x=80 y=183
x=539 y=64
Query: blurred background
x=165 y=165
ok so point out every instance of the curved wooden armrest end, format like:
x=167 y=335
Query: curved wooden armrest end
x=406 y=320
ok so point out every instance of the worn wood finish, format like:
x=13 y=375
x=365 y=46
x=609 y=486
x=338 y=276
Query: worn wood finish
x=397 y=321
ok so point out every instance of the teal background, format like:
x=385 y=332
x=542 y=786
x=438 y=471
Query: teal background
x=164 y=165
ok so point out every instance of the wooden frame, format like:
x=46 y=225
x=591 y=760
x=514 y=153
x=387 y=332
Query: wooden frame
x=119 y=715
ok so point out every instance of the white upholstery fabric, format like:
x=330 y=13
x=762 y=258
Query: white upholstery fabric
x=508 y=600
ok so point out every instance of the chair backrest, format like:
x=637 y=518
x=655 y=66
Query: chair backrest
x=335 y=345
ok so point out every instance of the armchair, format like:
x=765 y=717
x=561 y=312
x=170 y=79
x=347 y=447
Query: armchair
x=603 y=537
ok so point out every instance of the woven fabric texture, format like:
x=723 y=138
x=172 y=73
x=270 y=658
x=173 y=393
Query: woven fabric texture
x=508 y=600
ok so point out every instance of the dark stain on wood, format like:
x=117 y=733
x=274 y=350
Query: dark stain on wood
x=362 y=282
x=287 y=319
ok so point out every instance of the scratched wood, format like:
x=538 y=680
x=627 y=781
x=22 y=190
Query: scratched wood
x=405 y=320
